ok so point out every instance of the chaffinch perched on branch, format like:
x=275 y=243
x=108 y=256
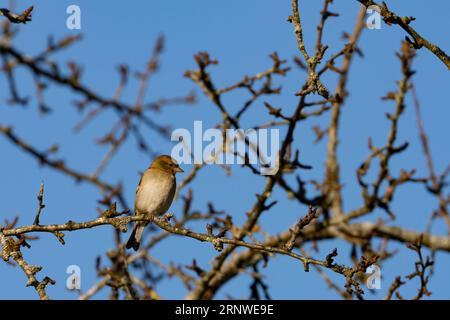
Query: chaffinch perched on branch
x=154 y=194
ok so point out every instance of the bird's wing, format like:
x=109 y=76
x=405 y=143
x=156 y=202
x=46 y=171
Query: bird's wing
x=137 y=191
x=139 y=184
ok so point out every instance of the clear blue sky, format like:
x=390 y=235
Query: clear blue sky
x=241 y=34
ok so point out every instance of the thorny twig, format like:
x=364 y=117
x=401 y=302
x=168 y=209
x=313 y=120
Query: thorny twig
x=417 y=40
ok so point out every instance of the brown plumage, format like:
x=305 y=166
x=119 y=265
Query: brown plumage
x=154 y=194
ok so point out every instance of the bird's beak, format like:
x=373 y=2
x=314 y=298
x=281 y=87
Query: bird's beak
x=178 y=169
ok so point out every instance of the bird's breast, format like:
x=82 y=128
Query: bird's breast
x=155 y=194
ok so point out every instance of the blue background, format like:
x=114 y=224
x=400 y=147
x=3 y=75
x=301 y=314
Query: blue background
x=241 y=34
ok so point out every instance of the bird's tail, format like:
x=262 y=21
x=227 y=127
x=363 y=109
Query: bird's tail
x=135 y=237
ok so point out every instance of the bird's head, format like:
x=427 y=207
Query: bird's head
x=167 y=164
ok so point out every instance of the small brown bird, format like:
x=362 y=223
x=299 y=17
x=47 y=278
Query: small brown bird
x=154 y=194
